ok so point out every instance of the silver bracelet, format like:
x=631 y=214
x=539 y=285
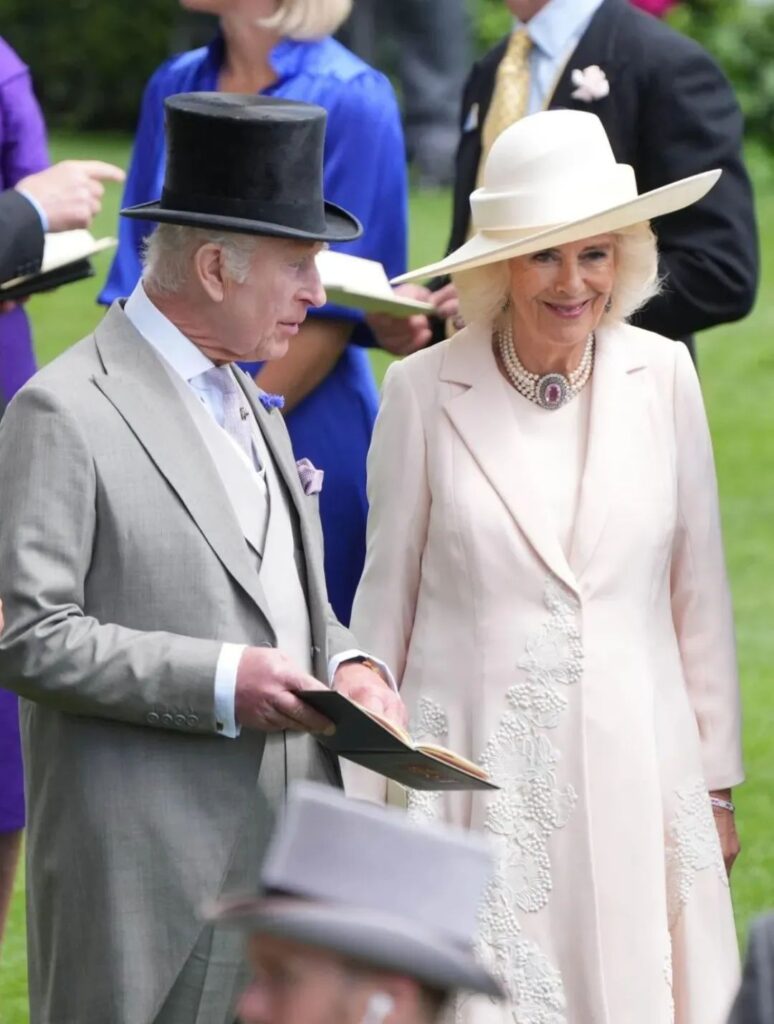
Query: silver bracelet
x=724 y=805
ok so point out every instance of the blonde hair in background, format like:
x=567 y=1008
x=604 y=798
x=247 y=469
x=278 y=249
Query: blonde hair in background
x=169 y=249
x=483 y=292
x=308 y=19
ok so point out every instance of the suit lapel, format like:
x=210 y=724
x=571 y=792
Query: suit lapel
x=477 y=415
x=596 y=46
x=137 y=384
x=616 y=407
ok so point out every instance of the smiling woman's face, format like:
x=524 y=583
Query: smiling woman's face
x=559 y=295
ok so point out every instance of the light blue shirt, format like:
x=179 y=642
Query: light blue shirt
x=555 y=32
x=190 y=363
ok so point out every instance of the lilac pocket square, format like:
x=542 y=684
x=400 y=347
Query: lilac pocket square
x=311 y=478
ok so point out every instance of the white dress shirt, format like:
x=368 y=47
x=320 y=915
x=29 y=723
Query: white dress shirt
x=555 y=32
x=190 y=363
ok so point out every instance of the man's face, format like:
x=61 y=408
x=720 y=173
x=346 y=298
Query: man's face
x=257 y=318
x=293 y=983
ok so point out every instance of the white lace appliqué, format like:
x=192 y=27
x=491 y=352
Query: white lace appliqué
x=692 y=846
x=529 y=807
x=429 y=724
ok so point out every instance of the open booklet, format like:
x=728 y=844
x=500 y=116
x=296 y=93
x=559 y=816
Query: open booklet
x=66 y=258
x=370 y=740
x=357 y=283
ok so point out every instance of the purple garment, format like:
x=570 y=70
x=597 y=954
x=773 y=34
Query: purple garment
x=23 y=150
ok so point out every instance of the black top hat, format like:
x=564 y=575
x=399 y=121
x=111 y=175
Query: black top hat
x=248 y=164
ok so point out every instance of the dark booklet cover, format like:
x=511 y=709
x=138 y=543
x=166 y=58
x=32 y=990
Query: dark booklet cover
x=371 y=741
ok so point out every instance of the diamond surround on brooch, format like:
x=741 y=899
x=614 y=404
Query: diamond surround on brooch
x=549 y=390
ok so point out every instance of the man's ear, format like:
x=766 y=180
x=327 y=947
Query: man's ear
x=210 y=271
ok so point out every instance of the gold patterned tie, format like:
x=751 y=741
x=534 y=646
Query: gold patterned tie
x=511 y=93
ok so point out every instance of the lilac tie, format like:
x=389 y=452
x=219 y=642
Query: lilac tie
x=236 y=411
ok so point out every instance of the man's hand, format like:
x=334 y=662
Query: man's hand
x=402 y=336
x=70 y=192
x=360 y=683
x=267 y=687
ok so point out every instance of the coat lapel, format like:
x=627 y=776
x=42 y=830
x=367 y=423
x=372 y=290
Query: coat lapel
x=615 y=409
x=137 y=385
x=477 y=415
x=597 y=46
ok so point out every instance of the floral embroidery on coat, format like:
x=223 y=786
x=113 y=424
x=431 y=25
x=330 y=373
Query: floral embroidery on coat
x=692 y=846
x=530 y=806
x=428 y=724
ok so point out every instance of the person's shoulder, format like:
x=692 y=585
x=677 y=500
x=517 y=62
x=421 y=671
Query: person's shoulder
x=662 y=356
x=656 y=42
x=64 y=391
x=11 y=64
x=175 y=72
x=420 y=371
x=331 y=59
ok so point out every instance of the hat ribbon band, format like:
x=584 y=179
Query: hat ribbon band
x=304 y=216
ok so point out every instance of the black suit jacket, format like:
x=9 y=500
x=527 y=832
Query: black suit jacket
x=21 y=236
x=670 y=113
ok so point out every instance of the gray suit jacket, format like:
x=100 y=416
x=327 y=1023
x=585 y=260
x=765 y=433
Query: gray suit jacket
x=123 y=569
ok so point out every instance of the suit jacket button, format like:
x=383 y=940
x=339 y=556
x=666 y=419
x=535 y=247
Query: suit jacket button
x=152 y=718
x=167 y=719
x=180 y=720
x=192 y=720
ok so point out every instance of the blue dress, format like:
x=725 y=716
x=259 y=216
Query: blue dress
x=365 y=172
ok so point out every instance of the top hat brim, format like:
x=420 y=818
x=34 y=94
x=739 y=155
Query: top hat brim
x=493 y=247
x=377 y=940
x=340 y=225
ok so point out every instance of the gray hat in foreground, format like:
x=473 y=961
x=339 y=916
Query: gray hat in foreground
x=362 y=881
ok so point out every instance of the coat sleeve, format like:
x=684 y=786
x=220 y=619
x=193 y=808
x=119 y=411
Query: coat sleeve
x=690 y=122
x=399 y=500
x=21 y=236
x=52 y=652
x=701 y=598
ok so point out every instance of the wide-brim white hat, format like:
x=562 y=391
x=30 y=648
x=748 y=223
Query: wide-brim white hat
x=552 y=178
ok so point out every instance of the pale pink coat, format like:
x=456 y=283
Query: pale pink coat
x=600 y=690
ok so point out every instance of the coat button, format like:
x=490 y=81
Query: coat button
x=152 y=718
x=192 y=720
x=180 y=720
x=167 y=719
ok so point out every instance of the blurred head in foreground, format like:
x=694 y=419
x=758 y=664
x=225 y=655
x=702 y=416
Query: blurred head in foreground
x=356 y=923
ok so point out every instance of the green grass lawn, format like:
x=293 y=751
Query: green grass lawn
x=737 y=366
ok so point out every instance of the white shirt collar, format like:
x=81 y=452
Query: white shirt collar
x=181 y=353
x=560 y=24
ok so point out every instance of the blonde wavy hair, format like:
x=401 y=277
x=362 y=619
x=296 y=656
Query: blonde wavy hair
x=484 y=292
x=308 y=19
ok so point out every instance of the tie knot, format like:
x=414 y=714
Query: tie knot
x=519 y=46
x=222 y=378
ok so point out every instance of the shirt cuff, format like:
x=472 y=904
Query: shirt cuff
x=38 y=208
x=339 y=659
x=225 y=689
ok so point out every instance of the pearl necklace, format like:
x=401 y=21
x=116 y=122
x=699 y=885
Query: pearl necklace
x=549 y=390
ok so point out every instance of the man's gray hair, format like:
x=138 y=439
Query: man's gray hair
x=168 y=253
x=483 y=292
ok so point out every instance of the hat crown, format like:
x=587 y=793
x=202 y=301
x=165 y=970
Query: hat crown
x=333 y=850
x=246 y=163
x=550 y=168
